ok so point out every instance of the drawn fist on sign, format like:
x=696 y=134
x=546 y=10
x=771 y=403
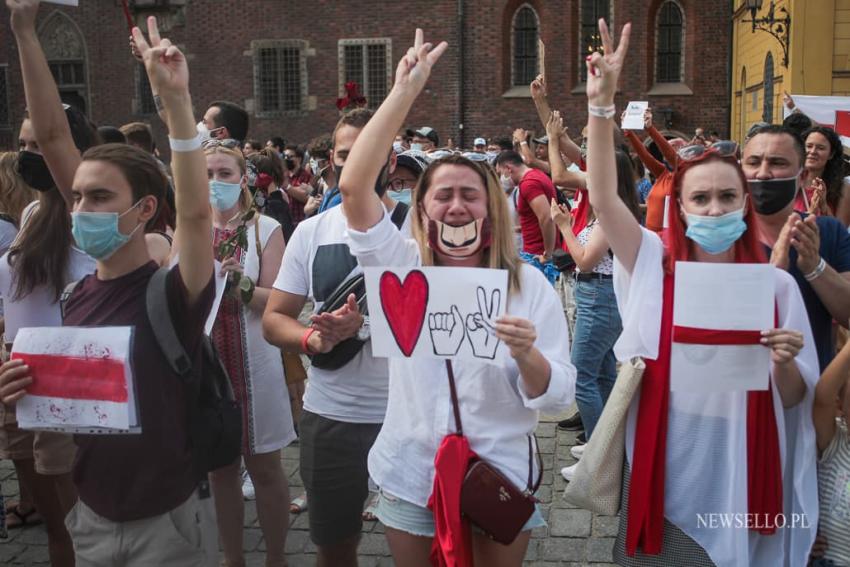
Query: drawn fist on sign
x=446 y=331
x=479 y=326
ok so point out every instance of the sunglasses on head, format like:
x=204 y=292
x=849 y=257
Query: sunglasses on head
x=723 y=148
x=228 y=143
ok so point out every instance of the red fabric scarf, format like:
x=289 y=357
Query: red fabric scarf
x=452 y=545
x=645 y=526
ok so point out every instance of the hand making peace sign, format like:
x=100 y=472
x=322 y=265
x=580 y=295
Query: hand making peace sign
x=165 y=64
x=603 y=71
x=415 y=67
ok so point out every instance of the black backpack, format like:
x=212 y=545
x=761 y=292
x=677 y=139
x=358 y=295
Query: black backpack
x=214 y=417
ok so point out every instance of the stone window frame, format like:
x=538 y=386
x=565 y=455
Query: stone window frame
x=307 y=102
x=387 y=42
x=515 y=82
x=682 y=46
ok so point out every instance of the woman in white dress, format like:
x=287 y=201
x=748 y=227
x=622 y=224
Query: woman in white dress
x=499 y=403
x=254 y=366
x=743 y=462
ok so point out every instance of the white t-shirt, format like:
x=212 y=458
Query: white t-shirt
x=706 y=456
x=8 y=232
x=39 y=308
x=316 y=261
x=496 y=413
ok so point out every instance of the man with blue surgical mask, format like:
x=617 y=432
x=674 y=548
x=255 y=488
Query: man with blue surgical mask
x=814 y=249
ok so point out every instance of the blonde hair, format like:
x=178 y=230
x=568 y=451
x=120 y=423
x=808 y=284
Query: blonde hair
x=245 y=199
x=15 y=194
x=502 y=253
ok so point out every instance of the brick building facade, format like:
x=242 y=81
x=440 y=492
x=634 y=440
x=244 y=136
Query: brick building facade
x=287 y=60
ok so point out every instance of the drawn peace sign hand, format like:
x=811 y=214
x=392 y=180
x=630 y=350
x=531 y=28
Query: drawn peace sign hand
x=446 y=331
x=480 y=327
x=165 y=64
x=603 y=69
x=415 y=67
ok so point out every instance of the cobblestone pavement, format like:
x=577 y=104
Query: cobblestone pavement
x=574 y=537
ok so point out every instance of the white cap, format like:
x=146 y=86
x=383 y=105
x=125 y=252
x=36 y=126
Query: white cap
x=479 y=142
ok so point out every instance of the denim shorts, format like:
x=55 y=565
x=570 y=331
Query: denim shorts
x=405 y=516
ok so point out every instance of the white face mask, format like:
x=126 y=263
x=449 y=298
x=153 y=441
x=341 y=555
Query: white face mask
x=507 y=182
x=203 y=131
x=416 y=146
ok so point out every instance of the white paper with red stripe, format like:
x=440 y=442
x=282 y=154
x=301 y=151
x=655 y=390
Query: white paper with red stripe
x=85 y=398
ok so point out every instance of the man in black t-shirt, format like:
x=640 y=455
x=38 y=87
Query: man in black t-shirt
x=140 y=501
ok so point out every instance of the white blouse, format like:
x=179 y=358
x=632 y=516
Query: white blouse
x=496 y=413
x=706 y=441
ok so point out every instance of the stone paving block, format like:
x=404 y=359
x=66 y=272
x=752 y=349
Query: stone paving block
x=35 y=535
x=373 y=544
x=300 y=521
x=562 y=549
x=570 y=523
x=32 y=555
x=531 y=552
x=251 y=539
x=600 y=549
x=296 y=541
x=255 y=559
x=605 y=526
x=544 y=494
x=251 y=513
x=546 y=430
x=8 y=551
x=307 y=560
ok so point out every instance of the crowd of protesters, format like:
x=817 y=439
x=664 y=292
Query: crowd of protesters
x=589 y=232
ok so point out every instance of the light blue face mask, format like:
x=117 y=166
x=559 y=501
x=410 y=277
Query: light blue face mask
x=223 y=195
x=416 y=147
x=97 y=234
x=716 y=234
x=402 y=196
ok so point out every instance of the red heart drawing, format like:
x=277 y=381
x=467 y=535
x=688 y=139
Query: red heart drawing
x=404 y=307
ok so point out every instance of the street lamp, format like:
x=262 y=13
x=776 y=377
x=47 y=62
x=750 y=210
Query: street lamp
x=780 y=27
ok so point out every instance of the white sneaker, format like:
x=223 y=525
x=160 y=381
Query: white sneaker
x=577 y=451
x=569 y=472
x=247 y=486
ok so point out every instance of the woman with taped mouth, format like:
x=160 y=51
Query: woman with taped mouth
x=460 y=219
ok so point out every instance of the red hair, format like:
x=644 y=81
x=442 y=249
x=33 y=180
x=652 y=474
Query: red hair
x=748 y=248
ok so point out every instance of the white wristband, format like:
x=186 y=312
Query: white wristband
x=606 y=112
x=189 y=145
x=817 y=272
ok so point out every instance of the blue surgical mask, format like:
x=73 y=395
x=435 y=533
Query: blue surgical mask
x=223 y=195
x=97 y=234
x=402 y=196
x=716 y=234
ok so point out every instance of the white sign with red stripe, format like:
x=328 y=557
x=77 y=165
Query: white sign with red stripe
x=82 y=379
x=831 y=111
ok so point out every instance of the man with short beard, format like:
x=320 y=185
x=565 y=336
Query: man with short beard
x=815 y=250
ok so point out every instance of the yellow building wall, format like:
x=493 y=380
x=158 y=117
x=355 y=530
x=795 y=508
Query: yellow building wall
x=819 y=57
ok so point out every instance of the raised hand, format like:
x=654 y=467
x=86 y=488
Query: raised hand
x=23 y=15
x=603 y=71
x=788 y=101
x=415 y=67
x=818 y=205
x=446 y=331
x=538 y=87
x=647 y=119
x=480 y=327
x=555 y=126
x=165 y=64
x=338 y=325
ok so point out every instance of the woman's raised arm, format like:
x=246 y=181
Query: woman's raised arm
x=618 y=223
x=363 y=208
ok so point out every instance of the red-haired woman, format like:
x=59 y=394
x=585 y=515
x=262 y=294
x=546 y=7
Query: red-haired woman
x=747 y=458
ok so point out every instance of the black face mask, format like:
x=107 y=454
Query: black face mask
x=34 y=172
x=772 y=195
x=380 y=183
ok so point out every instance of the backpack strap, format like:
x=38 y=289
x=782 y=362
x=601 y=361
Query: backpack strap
x=66 y=295
x=159 y=315
x=399 y=214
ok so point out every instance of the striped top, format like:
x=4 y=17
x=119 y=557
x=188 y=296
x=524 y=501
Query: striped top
x=834 y=491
